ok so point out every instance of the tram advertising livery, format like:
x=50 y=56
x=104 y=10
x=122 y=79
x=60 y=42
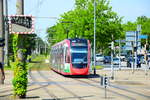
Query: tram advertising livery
x=71 y=57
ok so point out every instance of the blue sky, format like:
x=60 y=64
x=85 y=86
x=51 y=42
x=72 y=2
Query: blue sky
x=130 y=9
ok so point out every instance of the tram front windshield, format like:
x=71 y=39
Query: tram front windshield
x=79 y=56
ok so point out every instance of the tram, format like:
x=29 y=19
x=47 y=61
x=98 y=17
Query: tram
x=71 y=57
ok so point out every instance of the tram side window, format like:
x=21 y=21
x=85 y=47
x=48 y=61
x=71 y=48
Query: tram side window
x=67 y=57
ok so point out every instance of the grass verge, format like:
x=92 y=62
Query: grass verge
x=37 y=63
x=98 y=67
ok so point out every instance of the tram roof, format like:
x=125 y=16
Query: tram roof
x=74 y=39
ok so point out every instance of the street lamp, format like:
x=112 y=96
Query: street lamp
x=94 y=35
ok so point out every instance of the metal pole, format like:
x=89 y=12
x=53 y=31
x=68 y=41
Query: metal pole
x=135 y=64
x=112 y=51
x=94 y=35
x=6 y=34
x=105 y=85
x=36 y=45
x=45 y=47
x=146 y=60
x=105 y=92
x=20 y=7
x=91 y=64
x=132 y=61
x=2 y=75
x=119 y=54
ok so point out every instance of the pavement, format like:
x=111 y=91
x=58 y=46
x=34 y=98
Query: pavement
x=48 y=85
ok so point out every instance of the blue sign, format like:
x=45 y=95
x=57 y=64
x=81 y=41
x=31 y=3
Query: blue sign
x=130 y=38
x=122 y=41
x=130 y=33
x=143 y=36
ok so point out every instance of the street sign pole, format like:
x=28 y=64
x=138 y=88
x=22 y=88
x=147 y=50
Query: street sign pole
x=132 y=62
x=2 y=75
x=94 y=36
x=105 y=92
x=146 y=58
x=119 y=54
x=105 y=85
x=135 y=51
x=6 y=34
x=112 y=68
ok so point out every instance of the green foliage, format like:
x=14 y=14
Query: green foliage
x=145 y=26
x=20 y=79
x=79 y=23
x=98 y=67
x=30 y=44
x=40 y=63
x=145 y=23
x=15 y=43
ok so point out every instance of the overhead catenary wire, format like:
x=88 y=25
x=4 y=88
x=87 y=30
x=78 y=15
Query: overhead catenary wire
x=44 y=17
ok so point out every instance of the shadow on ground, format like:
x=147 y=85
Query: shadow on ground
x=83 y=76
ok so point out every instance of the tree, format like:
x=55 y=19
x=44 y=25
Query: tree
x=79 y=23
x=145 y=23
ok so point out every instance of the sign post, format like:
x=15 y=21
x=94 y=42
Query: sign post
x=145 y=53
x=112 y=53
x=146 y=60
x=104 y=83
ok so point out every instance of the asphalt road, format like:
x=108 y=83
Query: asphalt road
x=108 y=65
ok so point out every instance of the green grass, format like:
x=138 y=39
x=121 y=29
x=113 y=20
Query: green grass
x=37 y=63
x=7 y=68
x=98 y=67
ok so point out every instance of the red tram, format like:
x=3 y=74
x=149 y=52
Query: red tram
x=71 y=57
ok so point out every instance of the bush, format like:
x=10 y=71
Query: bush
x=20 y=79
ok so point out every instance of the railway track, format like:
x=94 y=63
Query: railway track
x=55 y=83
x=99 y=87
x=43 y=86
x=96 y=84
x=60 y=86
x=123 y=89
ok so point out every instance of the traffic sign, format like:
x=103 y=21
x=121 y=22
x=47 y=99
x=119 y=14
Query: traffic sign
x=21 y=24
x=132 y=37
x=130 y=33
x=143 y=36
x=122 y=41
x=105 y=81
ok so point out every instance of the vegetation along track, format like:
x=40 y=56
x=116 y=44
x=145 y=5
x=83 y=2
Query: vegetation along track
x=123 y=88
